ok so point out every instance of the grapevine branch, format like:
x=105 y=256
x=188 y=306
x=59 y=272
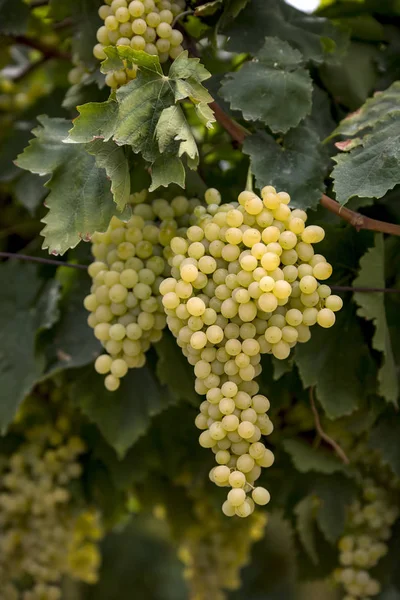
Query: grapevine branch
x=39 y=259
x=339 y=451
x=357 y=220
x=47 y=51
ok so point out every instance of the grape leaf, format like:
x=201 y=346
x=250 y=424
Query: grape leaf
x=305 y=512
x=275 y=78
x=166 y=170
x=295 y=165
x=306 y=459
x=385 y=438
x=316 y=38
x=340 y=379
x=79 y=201
x=71 y=342
x=144 y=114
x=335 y=494
x=114 y=160
x=174 y=371
x=371 y=112
x=372 y=307
x=86 y=23
x=373 y=167
x=14 y=17
x=29 y=305
x=125 y=415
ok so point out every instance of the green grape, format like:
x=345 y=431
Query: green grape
x=127 y=314
x=146 y=26
x=47 y=532
x=229 y=300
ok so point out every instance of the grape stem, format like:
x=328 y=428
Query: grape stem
x=47 y=51
x=39 y=259
x=339 y=451
x=180 y=16
x=349 y=288
x=357 y=220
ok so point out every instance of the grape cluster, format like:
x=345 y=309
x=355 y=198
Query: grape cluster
x=127 y=314
x=78 y=73
x=143 y=25
x=368 y=528
x=214 y=552
x=244 y=281
x=19 y=96
x=45 y=533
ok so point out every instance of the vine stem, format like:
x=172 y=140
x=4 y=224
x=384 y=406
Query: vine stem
x=357 y=220
x=338 y=449
x=44 y=261
x=349 y=288
x=47 y=51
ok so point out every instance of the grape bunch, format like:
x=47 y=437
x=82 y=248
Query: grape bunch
x=214 y=551
x=368 y=527
x=45 y=532
x=127 y=314
x=244 y=282
x=143 y=25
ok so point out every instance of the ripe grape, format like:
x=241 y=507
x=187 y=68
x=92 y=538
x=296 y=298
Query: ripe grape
x=244 y=282
x=127 y=313
x=145 y=25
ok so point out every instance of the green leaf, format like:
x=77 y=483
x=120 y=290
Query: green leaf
x=114 y=160
x=306 y=458
x=275 y=78
x=166 y=170
x=125 y=415
x=373 y=111
x=14 y=16
x=295 y=165
x=316 y=38
x=80 y=201
x=340 y=378
x=71 y=342
x=372 y=308
x=29 y=191
x=354 y=78
x=335 y=494
x=305 y=512
x=96 y=120
x=173 y=128
x=385 y=438
x=145 y=115
x=208 y=9
x=86 y=23
x=174 y=371
x=373 y=167
x=231 y=10
x=29 y=305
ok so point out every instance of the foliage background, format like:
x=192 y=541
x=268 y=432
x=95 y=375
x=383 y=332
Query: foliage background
x=142 y=437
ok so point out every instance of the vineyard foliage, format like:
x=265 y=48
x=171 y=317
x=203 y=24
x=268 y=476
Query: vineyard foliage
x=158 y=161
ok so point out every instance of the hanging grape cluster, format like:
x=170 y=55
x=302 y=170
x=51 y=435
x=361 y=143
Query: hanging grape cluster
x=45 y=532
x=368 y=528
x=143 y=25
x=214 y=551
x=127 y=314
x=245 y=281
